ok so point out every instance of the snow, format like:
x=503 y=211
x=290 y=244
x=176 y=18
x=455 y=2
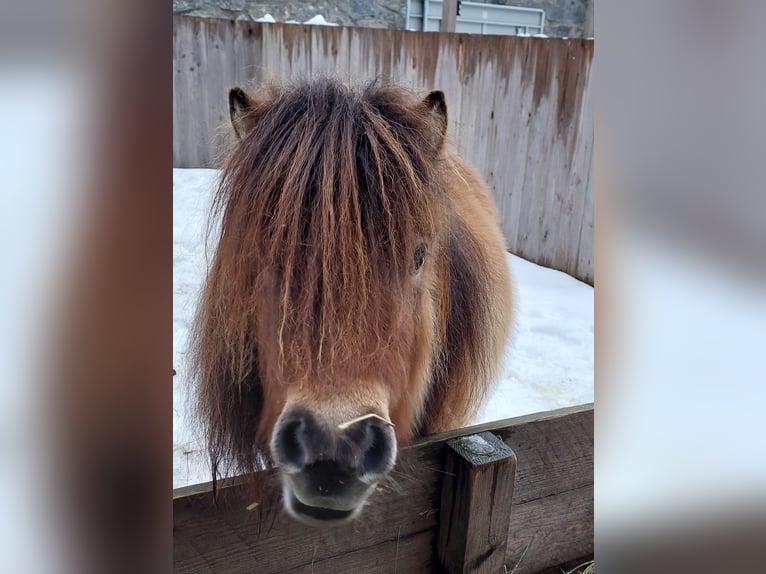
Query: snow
x=319 y=20
x=192 y=190
x=548 y=362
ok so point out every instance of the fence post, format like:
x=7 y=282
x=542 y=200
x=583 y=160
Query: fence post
x=449 y=16
x=480 y=472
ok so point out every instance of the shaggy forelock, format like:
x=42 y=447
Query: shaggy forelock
x=327 y=197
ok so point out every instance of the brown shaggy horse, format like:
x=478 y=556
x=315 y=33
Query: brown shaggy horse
x=359 y=294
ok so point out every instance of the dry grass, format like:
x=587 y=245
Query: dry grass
x=505 y=568
x=584 y=568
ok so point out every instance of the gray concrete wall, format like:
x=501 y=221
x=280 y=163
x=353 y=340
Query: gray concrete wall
x=365 y=13
x=563 y=18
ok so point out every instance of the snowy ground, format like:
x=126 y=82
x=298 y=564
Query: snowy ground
x=548 y=362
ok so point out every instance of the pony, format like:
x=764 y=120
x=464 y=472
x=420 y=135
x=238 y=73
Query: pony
x=358 y=295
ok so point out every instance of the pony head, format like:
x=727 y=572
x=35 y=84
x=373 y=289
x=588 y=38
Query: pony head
x=315 y=334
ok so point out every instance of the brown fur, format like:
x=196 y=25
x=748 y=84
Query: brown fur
x=312 y=297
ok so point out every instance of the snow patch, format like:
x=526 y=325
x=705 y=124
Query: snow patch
x=319 y=20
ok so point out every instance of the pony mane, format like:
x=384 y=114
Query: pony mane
x=322 y=204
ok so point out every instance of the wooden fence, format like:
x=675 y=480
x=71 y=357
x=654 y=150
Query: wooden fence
x=426 y=518
x=520 y=110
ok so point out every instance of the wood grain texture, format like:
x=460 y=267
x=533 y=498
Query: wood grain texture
x=231 y=539
x=553 y=461
x=550 y=531
x=552 y=457
x=476 y=504
x=406 y=555
x=520 y=110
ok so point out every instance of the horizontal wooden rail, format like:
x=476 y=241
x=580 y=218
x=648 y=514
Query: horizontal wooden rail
x=551 y=517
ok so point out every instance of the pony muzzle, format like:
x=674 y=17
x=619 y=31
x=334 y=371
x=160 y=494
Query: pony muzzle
x=328 y=470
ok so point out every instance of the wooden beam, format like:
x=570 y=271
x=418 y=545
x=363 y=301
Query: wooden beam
x=476 y=500
x=449 y=16
x=574 y=423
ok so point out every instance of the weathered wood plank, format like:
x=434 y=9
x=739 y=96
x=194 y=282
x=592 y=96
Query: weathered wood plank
x=231 y=539
x=552 y=457
x=520 y=110
x=541 y=423
x=550 y=531
x=406 y=555
x=554 y=449
x=476 y=504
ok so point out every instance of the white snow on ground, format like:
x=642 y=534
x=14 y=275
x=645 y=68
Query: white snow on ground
x=549 y=357
x=192 y=193
x=548 y=362
x=266 y=18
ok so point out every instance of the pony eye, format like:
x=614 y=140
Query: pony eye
x=419 y=256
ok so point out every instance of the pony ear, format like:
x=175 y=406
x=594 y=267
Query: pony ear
x=436 y=105
x=241 y=111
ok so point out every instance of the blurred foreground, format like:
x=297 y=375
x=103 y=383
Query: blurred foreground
x=681 y=287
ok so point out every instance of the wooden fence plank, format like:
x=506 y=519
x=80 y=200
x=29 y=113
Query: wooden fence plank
x=232 y=538
x=564 y=461
x=554 y=449
x=406 y=555
x=476 y=504
x=520 y=109
x=550 y=531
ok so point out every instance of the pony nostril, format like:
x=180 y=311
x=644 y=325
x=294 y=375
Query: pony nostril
x=290 y=444
x=377 y=451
